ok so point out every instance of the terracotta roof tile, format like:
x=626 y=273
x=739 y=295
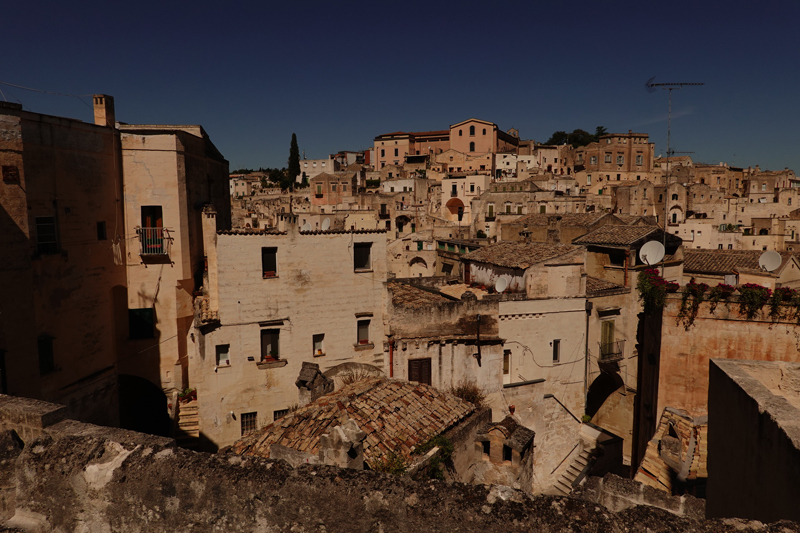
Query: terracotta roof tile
x=405 y=295
x=415 y=414
x=566 y=219
x=594 y=285
x=724 y=261
x=620 y=235
x=518 y=254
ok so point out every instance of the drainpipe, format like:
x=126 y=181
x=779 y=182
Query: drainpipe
x=391 y=357
x=589 y=306
x=626 y=269
x=478 y=341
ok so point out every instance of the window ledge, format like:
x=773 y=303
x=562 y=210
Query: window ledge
x=265 y=276
x=359 y=347
x=218 y=367
x=272 y=363
x=319 y=354
x=359 y=270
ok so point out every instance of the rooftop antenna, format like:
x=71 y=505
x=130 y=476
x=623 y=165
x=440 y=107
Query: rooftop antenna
x=770 y=260
x=651 y=88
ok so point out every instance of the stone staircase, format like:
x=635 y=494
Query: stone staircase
x=569 y=477
x=187 y=434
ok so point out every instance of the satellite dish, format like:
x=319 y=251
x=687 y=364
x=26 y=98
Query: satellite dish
x=326 y=224
x=306 y=227
x=501 y=284
x=770 y=260
x=652 y=252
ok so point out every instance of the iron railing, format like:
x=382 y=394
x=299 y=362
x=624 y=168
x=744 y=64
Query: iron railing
x=154 y=241
x=611 y=351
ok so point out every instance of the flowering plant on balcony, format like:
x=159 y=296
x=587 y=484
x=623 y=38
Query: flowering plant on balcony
x=752 y=298
x=653 y=288
x=781 y=298
x=696 y=293
x=721 y=292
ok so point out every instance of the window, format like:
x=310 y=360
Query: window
x=269 y=262
x=317 y=346
x=506 y=453
x=508 y=209
x=472 y=189
x=484 y=131
x=660 y=197
x=141 y=323
x=674 y=196
x=333 y=187
x=46 y=361
x=249 y=423
x=472 y=131
x=319 y=189
x=763 y=187
x=363 y=332
x=280 y=413
x=719 y=247
x=46 y=235
x=607 y=158
x=618 y=177
x=487 y=448
x=361 y=256
x=101 y=231
x=460 y=133
x=491 y=210
x=419 y=370
x=447 y=269
x=270 y=345
x=395 y=152
x=593 y=160
x=556 y=350
x=383 y=152
x=472 y=147
x=506 y=362
x=588 y=179
x=607 y=337
x=640 y=160
x=344 y=187
x=519 y=209
x=223 y=354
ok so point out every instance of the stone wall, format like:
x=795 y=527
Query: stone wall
x=79 y=477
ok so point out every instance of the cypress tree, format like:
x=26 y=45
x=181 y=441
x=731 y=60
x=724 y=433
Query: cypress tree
x=294 y=160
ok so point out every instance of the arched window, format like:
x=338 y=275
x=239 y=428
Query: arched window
x=472 y=131
x=460 y=133
x=484 y=131
x=674 y=196
x=471 y=147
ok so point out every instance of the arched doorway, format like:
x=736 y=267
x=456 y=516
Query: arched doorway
x=143 y=406
x=600 y=389
x=417 y=267
x=453 y=205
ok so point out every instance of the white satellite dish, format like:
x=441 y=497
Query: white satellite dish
x=501 y=284
x=770 y=260
x=326 y=224
x=652 y=252
x=306 y=227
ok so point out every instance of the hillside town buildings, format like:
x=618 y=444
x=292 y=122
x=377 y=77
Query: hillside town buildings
x=337 y=321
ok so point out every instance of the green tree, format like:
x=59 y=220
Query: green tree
x=576 y=138
x=599 y=131
x=558 y=137
x=294 y=160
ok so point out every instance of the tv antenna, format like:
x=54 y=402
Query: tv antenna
x=651 y=88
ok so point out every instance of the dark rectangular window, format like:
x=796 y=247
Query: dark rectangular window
x=361 y=256
x=46 y=235
x=280 y=413
x=270 y=344
x=487 y=447
x=506 y=362
x=101 y=231
x=363 y=332
x=395 y=152
x=556 y=350
x=317 y=344
x=46 y=360
x=506 y=453
x=249 y=423
x=269 y=262
x=152 y=216
x=223 y=354
x=419 y=370
x=447 y=268
x=141 y=323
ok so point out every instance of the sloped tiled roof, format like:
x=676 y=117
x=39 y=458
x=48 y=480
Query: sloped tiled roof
x=617 y=235
x=594 y=285
x=518 y=254
x=396 y=416
x=566 y=219
x=406 y=295
x=723 y=261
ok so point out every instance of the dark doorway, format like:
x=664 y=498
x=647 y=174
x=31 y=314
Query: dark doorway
x=142 y=406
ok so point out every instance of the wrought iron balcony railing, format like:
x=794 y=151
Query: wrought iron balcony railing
x=611 y=351
x=154 y=241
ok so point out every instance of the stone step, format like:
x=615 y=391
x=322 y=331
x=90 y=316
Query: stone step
x=184 y=417
x=188 y=425
x=564 y=487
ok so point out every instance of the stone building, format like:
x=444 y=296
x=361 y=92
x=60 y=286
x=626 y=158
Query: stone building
x=62 y=235
x=274 y=301
x=616 y=156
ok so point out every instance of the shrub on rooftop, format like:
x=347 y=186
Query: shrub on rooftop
x=752 y=298
x=653 y=288
x=720 y=293
x=470 y=391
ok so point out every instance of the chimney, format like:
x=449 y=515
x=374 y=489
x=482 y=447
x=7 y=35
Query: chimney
x=104 y=110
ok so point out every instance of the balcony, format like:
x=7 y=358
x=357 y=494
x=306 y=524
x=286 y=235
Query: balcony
x=384 y=216
x=611 y=352
x=155 y=243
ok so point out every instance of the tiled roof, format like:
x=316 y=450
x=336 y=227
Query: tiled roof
x=396 y=415
x=518 y=254
x=248 y=231
x=406 y=295
x=204 y=310
x=723 y=261
x=618 y=235
x=566 y=219
x=338 y=231
x=594 y=285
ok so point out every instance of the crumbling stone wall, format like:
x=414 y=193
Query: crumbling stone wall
x=78 y=477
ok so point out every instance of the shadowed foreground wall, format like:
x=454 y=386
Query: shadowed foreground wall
x=79 y=477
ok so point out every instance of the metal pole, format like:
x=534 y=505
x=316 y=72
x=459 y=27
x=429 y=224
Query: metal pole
x=666 y=182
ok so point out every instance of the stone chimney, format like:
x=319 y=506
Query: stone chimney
x=104 y=110
x=343 y=446
x=311 y=384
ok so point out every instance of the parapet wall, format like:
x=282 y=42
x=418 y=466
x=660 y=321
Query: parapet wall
x=78 y=477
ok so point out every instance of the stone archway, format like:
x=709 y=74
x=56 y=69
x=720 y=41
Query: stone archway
x=417 y=267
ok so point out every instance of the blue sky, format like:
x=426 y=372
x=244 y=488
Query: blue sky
x=339 y=73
